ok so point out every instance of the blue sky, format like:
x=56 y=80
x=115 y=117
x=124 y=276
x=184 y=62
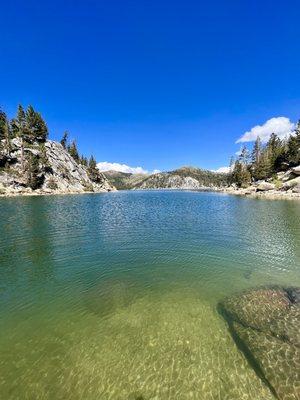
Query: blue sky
x=157 y=84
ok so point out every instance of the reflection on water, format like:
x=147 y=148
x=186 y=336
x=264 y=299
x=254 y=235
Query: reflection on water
x=114 y=296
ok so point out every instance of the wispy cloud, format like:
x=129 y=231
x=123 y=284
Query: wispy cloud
x=282 y=126
x=107 y=166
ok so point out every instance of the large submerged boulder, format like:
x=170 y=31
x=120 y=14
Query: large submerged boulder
x=265 y=323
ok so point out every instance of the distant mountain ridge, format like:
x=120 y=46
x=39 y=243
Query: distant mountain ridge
x=182 y=178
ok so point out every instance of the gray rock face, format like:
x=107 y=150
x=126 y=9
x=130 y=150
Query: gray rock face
x=61 y=174
x=296 y=170
x=69 y=175
x=265 y=324
x=173 y=182
x=265 y=186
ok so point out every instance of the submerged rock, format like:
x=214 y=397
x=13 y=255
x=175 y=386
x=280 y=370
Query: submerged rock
x=265 y=323
x=294 y=294
x=108 y=296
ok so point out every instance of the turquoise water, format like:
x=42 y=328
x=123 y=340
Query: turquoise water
x=113 y=296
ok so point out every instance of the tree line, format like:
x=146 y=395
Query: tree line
x=30 y=128
x=28 y=125
x=265 y=160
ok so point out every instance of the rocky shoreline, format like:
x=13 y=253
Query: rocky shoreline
x=35 y=193
x=269 y=195
x=248 y=192
x=284 y=185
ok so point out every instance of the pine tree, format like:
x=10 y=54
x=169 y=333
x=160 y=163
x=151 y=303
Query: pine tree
x=256 y=152
x=5 y=134
x=18 y=124
x=72 y=149
x=92 y=163
x=264 y=167
x=84 y=161
x=64 y=140
x=19 y=129
x=240 y=174
x=293 y=147
x=244 y=156
x=3 y=121
x=256 y=157
x=274 y=151
x=93 y=171
x=36 y=126
x=43 y=159
x=33 y=179
x=1 y=152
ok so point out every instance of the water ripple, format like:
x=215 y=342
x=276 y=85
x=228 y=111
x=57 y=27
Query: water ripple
x=113 y=296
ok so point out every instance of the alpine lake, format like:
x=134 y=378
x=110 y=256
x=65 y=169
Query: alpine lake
x=115 y=296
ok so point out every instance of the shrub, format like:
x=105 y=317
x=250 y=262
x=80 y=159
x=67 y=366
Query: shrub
x=87 y=187
x=51 y=184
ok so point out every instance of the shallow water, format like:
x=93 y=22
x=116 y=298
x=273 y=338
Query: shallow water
x=114 y=296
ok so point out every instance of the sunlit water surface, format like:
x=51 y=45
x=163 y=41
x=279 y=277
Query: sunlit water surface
x=114 y=296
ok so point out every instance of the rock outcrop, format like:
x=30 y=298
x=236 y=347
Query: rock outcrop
x=291 y=184
x=265 y=323
x=265 y=186
x=296 y=170
x=56 y=171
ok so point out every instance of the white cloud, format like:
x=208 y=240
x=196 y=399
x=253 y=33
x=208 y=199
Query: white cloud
x=282 y=126
x=107 y=166
x=223 y=170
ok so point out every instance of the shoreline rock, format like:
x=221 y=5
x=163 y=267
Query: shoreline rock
x=251 y=192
